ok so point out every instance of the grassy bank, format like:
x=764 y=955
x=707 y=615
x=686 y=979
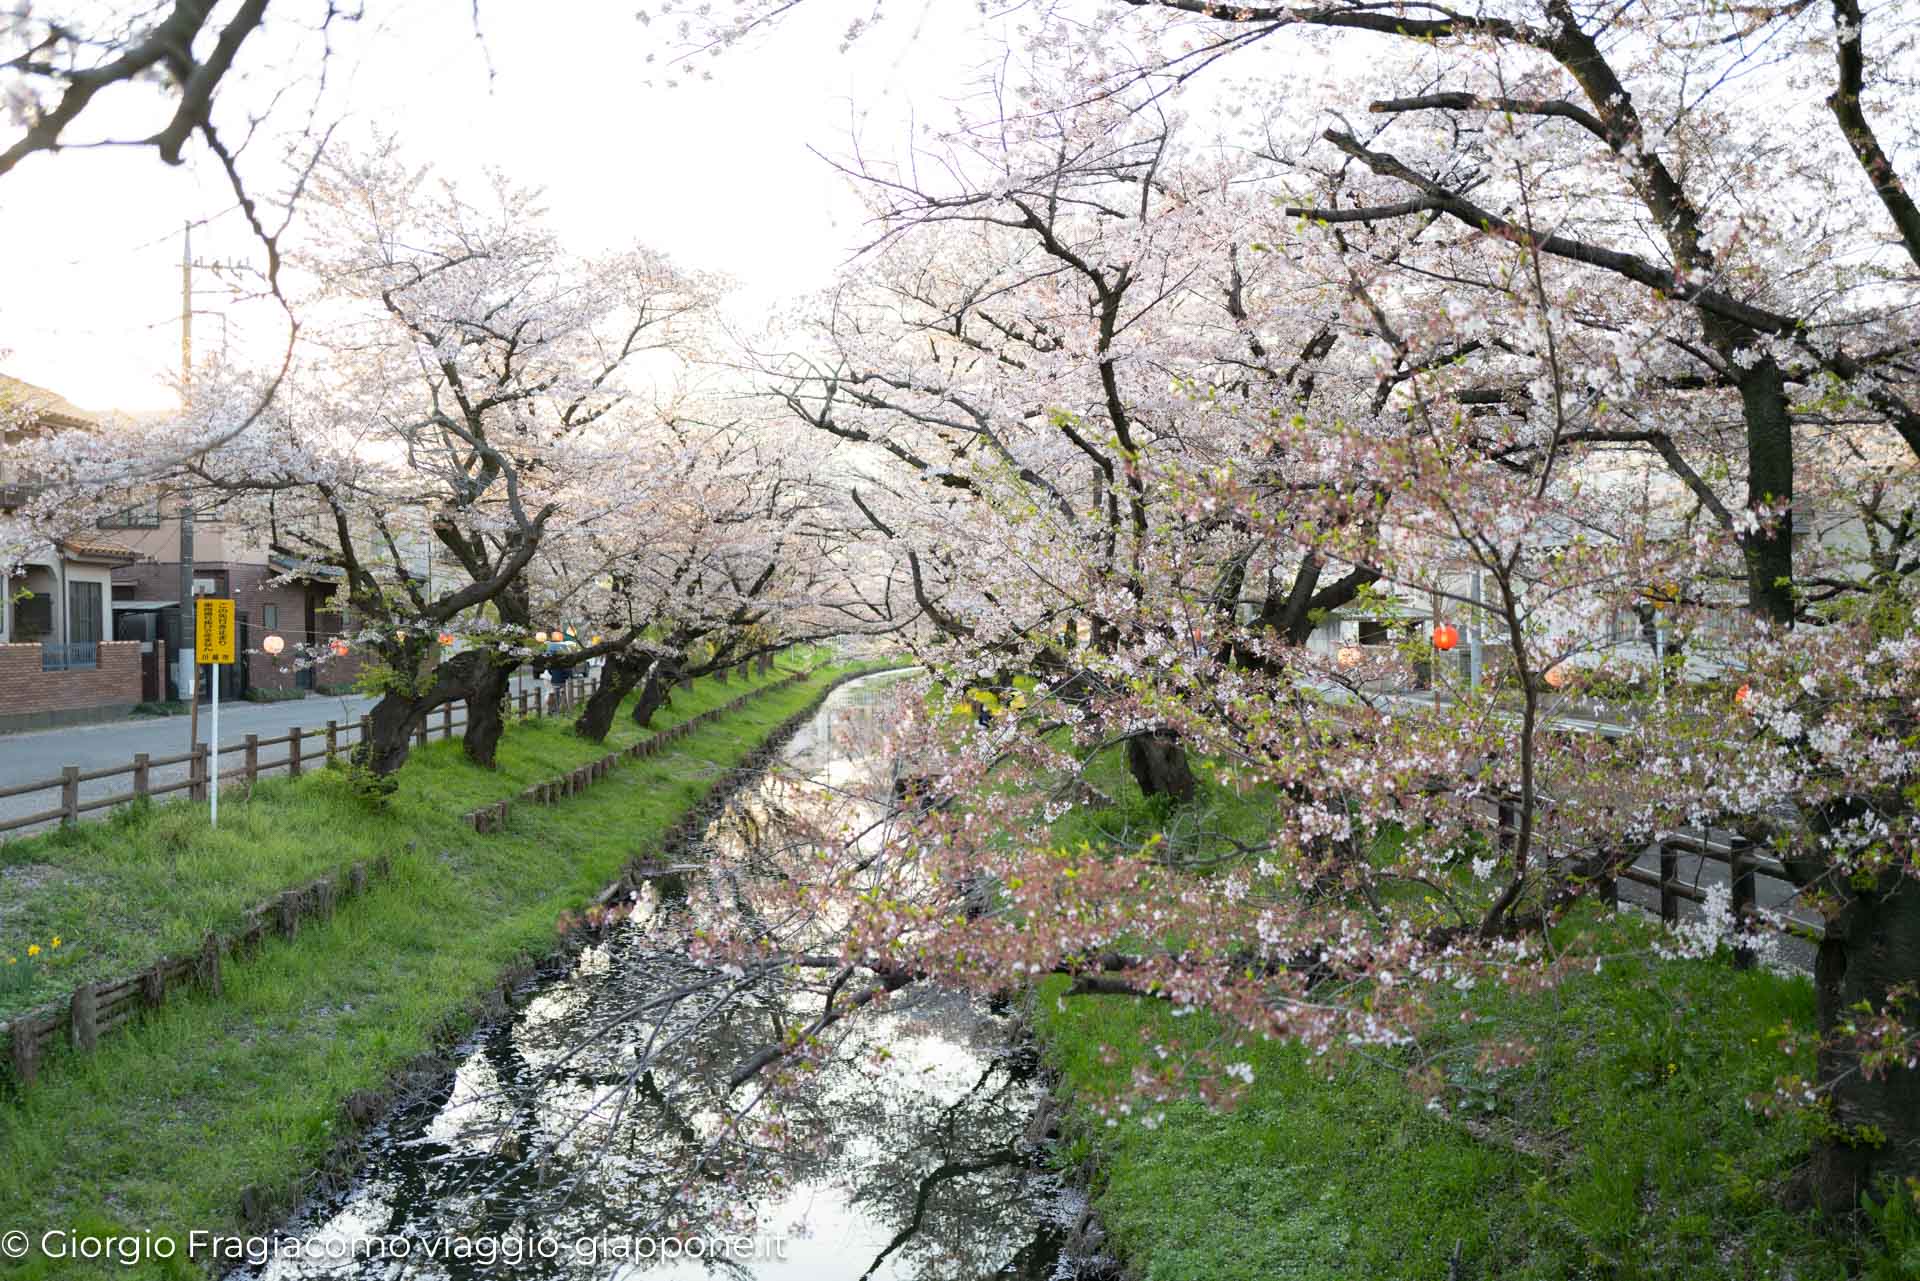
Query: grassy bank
x=162 y=1128
x=150 y=882
x=1624 y=1149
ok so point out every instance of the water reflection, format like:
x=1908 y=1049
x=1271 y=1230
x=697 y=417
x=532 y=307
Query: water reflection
x=600 y=1110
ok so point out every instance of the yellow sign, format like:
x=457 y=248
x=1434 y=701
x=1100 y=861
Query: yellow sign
x=212 y=630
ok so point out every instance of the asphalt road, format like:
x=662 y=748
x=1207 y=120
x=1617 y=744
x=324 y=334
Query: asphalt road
x=41 y=754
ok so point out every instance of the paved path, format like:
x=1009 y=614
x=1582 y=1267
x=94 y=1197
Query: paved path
x=40 y=754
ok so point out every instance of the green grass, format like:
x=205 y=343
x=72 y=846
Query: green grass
x=146 y=883
x=1623 y=1149
x=163 y=1127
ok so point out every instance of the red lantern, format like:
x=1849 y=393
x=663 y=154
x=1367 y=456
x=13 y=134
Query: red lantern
x=1445 y=637
x=339 y=647
x=1740 y=695
x=446 y=638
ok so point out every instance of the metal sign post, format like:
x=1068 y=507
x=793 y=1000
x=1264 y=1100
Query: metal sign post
x=213 y=645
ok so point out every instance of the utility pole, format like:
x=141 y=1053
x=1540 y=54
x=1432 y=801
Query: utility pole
x=1475 y=658
x=189 y=669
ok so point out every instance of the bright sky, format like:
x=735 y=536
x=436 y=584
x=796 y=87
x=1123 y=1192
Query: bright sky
x=717 y=174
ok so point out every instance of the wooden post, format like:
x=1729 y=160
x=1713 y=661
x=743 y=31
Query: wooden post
x=523 y=703
x=1669 y=874
x=1745 y=898
x=322 y=896
x=253 y=760
x=26 y=1051
x=69 y=795
x=357 y=880
x=209 y=965
x=446 y=720
x=142 y=775
x=420 y=733
x=85 y=1017
x=294 y=750
x=197 y=772
x=366 y=730
x=153 y=985
x=333 y=740
x=286 y=911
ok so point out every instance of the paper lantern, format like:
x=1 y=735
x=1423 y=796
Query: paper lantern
x=1349 y=656
x=339 y=647
x=273 y=645
x=1557 y=675
x=446 y=638
x=1741 y=695
x=1445 y=637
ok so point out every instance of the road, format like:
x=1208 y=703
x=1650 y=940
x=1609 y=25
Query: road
x=41 y=754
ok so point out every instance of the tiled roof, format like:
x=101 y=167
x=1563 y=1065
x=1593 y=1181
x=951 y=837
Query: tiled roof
x=93 y=547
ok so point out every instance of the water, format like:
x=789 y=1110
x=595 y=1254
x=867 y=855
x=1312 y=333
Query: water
x=592 y=1133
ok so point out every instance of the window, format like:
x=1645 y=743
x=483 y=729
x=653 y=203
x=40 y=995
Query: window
x=86 y=617
x=270 y=617
x=84 y=614
x=1374 y=631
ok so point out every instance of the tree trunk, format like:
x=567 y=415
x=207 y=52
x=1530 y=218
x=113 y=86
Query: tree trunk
x=617 y=679
x=1769 y=552
x=656 y=693
x=486 y=713
x=1159 y=765
x=397 y=717
x=1872 y=946
x=391 y=726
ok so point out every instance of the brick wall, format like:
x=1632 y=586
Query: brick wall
x=33 y=699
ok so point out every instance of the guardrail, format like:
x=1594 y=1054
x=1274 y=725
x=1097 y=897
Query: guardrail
x=303 y=746
x=1745 y=866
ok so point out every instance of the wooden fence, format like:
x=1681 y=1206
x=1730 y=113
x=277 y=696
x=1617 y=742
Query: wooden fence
x=491 y=818
x=1744 y=863
x=302 y=748
x=96 y=1008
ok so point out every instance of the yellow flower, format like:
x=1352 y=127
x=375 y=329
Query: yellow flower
x=56 y=941
x=33 y=949
x=13 y=960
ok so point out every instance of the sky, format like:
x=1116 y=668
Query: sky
x=718 y=174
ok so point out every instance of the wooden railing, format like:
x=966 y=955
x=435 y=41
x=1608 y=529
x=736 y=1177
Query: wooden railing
x=303 y=747
x=1745 y=866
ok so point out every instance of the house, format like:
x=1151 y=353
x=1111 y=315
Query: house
x=60 y=662
x=273 y=596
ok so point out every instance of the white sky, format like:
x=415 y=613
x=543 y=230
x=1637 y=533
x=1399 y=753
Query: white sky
x=716 y=174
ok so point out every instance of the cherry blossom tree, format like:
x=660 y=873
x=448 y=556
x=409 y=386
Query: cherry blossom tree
x=464 y=370
x=1571 y=316
x=725 y=559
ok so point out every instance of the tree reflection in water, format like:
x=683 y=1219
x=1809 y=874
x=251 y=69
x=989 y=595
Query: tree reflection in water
x=607 y=1105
